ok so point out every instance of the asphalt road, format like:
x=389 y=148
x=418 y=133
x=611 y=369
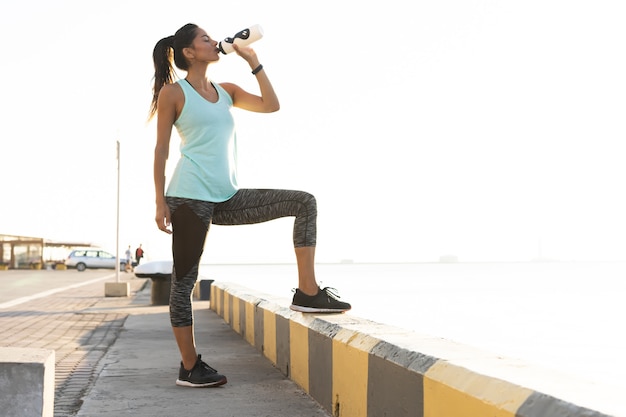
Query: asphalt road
x=17 y=286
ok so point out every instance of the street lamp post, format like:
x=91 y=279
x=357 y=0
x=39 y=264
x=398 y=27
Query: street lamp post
x=117 y=288
x=117 y=221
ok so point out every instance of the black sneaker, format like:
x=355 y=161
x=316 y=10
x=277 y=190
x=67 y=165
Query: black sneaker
x=325 y=301
x=201 y=375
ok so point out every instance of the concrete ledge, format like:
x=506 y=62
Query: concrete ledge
x=26 y=382
x=358 y=368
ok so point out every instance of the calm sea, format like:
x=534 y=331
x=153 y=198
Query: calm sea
x=564 y=316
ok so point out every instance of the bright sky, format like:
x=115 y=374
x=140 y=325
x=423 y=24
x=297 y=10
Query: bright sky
x=489 y=130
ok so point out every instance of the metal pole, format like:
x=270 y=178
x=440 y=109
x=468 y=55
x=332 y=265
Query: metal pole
x=117 y=226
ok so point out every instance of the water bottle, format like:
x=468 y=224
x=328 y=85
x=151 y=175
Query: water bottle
x=242 y=38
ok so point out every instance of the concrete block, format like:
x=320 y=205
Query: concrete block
x=160 y=293
x=160 y=272
x=116 y=289
x=26 y=382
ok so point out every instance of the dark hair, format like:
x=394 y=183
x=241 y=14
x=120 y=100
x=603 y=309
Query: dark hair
x=164 y=50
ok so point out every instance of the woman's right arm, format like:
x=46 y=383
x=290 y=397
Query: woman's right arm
x=166 y=115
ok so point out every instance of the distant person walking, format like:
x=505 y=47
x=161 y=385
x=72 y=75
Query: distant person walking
x=203 y=188
x=138 y=254
x=129 y=259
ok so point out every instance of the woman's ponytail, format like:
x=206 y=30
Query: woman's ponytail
x=165 y=51
x=163 y=70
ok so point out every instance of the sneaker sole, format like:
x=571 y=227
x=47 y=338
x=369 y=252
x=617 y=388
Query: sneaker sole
x=316 y=310
x=182 y=383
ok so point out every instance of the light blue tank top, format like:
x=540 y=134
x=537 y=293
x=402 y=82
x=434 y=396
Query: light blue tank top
x=207 y=168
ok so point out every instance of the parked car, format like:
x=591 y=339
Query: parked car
x=92 y=258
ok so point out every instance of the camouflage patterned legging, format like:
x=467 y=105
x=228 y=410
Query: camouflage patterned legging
x=191 y=220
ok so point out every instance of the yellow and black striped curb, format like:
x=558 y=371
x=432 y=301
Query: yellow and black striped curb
x=358 y=368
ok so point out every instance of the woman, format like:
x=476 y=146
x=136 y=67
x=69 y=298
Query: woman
x=203 y=188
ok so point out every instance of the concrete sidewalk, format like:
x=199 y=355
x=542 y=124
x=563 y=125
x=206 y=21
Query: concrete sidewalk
x=139 y=371
x=117 y=355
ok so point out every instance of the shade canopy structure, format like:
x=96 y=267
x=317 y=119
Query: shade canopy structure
x=24 y=252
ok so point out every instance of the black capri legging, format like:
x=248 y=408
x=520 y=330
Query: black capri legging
x=191 y=220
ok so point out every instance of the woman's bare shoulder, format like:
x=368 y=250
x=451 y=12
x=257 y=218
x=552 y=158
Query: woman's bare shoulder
x=229 y=87
x=171 y=90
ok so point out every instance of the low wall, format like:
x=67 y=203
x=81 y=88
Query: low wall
x=358 y=368
x=26 y=382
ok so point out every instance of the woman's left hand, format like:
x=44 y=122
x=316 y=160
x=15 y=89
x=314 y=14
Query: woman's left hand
x=248 y=54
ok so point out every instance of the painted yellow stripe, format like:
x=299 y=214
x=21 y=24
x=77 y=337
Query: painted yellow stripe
x=236 y=324
x=215 y=299
x=228 y=299
x=269 y=336
x=350 y=372
x=451 y=391
x=299 y=354
x=249 y=322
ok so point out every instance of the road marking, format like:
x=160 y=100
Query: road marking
x=50 y=292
